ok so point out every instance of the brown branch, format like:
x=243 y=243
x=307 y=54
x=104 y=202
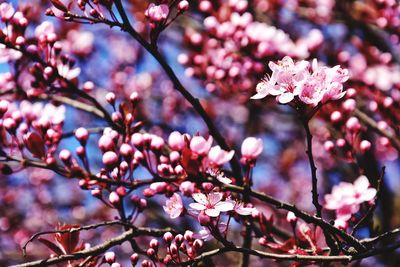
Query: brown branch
x=301 y=214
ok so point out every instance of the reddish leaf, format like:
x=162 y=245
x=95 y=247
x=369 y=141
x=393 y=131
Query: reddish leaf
x=50 y=245
x=35 y=144
x=282 y=247
x=68 y=241
x=190 y=162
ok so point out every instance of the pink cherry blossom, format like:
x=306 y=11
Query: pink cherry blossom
x=157 y=13
x=285 y=82
x=211 y=204
x=174 y=206
x=252 y=147
x=218 y=156
x=200 y=145
x=312 y=86
x=346 y=198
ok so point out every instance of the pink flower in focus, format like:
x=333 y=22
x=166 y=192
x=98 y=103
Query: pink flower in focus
x=211 y=204
x=218 y=156
x=285 y=81
x=200 y=145
x=251 y=148
x=290 y=79
x=157 y=13
x=174 y=206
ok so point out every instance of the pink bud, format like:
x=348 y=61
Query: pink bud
x=10 y=125
x=3 y=107
x=137 y=140
x=82 y=135
x=65 y=155
x=126 y=150
x=134 y=259
x=150 y=252
x=336 y=116
x=183 y=5
x=106 y=143
x=341 y=142
x=176 y=141
x=198 y=244
x=80 y=151
x=110 y=159
x=96 y=192
x=188 y=235
x=109 y=257
x=168 y=237
x=251 y=148
x=204 y=219
x=174 y=156
x=349 y=105
x=110 y=98
x=114 y=198
x=179 y=239
x=353 y=124
x=291 y=218
x=329 y=145
x=154 y=244
x=115 y=264
x=365 y=145
x=156 y=142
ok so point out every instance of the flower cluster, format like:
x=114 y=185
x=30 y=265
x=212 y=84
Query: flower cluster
x=311 y=85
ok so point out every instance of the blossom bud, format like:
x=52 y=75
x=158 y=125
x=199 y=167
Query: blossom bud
x=349 y=105
x=109 y=257
x=80 y=151
x=121 y=191
x=115 y=264
x=65 y=155
x=114 y=198
x=148 y=192
x=336 y=116
x=174 y=249
x=168 y=237
x=183 y=5
x=3 y=107
x=82 y=135
x=204 y=219
x=179 y=239
x=137 y=140
x=134 y=259
x=150 y=252
x=126 y=151
x=365 y=145
x=88 y=86
x=291 y=218
x=329 y=145
x=188 y=235
x=110 y=159
x=106 y=143
x=251 y=148
x=10 y=125
x=353 y=124
x=96 y=192
x=154 y=244
x=110 y=98
x=198 y=244
x=176 y=141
